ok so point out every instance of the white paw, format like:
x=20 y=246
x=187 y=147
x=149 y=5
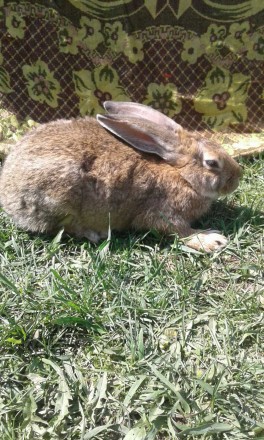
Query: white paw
x=207 y=241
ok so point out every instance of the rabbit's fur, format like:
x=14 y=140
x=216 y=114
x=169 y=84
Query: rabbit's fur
x=76 y=174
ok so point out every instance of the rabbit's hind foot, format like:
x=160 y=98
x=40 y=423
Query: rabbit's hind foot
x=93 y=236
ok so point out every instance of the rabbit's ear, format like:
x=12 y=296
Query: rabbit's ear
x=136 y=110
x=143 y=135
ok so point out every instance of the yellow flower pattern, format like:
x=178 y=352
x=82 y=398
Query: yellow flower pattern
x=68 y=40
x=197 y=62
x=222 y=98
x=238 y=36
x=95 y=87
x=15 y=25
x=213 y=38
x=256 y=47
x=192 y=50
x=133 y=49
x=115 y=36
x=41 y=84
x=164 y=97
x=90 y=33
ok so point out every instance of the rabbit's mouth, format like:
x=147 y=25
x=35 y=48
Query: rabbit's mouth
x=230 y=185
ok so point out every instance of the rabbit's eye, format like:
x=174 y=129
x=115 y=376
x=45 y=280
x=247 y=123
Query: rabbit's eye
x=212 y=163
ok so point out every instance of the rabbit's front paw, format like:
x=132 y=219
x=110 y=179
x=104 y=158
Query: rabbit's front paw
x=207 y=241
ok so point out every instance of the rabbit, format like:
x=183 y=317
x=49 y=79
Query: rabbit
x=132 y=167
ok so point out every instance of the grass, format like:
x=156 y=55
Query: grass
x=145 y=340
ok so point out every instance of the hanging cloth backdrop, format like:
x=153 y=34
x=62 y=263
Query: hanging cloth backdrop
x=201 y=62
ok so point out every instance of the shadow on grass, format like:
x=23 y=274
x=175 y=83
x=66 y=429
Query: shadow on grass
x=229 y=219
x=225 y=218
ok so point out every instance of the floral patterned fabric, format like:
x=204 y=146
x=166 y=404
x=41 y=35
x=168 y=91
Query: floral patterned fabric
x=201 y=62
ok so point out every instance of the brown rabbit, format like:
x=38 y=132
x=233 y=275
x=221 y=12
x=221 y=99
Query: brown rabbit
x=75 y=174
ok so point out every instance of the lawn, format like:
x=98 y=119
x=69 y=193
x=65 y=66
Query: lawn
x=139 y=338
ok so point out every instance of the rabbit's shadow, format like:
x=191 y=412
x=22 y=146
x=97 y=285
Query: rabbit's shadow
x=223 y=217
x=229 y=219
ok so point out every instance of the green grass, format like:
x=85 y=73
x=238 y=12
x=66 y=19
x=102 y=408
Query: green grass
x=146 y=340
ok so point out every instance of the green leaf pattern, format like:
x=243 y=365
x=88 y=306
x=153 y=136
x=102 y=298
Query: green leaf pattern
x=95 y=87
x=4 y=81
x=164 y=97
x=16 y=25
x=102 y=35
x=222 y=98
x=41 y=83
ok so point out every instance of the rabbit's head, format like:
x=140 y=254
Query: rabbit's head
x=206 y=166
